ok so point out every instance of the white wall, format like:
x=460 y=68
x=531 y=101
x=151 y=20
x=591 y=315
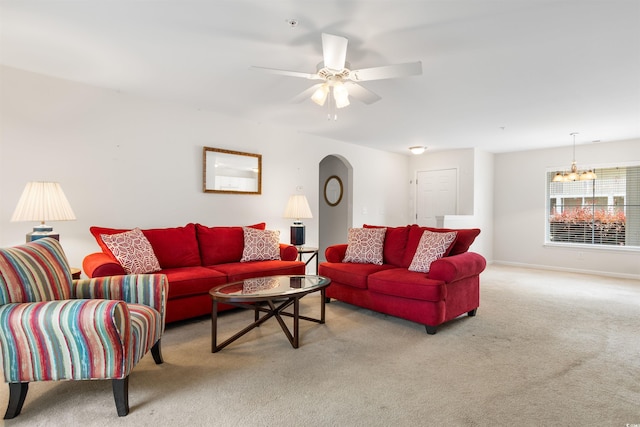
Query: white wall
x=129 y=162
x=475 y=191
x=519 y=210
x=126 y=162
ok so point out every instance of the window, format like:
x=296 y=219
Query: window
x=604 y=211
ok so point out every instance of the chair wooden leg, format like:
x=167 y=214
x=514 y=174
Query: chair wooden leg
x=17 y=394
x=121 y=395
x=157 y=353
x=431 y=330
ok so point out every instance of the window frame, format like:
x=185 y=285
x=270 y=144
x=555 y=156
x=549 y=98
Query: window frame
x=549 y=172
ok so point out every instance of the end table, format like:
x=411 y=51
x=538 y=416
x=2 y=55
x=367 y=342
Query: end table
x=308 y=250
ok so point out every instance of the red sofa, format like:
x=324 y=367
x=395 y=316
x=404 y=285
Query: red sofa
x=195 y=258
x=450 y=288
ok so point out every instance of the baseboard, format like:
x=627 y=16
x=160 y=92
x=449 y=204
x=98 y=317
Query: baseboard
x=568 y=270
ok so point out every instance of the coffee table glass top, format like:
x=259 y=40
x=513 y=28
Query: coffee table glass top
x=270 y=286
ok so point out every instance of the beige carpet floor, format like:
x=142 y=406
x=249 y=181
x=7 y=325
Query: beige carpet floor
x=545 y=349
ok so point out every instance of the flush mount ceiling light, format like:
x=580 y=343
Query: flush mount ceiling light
x=417 y=149
x=574 y=174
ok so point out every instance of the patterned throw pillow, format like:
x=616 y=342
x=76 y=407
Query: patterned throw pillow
x=365 y=245
x=432 y=246
x=260 y=245
x=133 y=251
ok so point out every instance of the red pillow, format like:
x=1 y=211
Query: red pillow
x=97 y=231
x=220 y=245
x=465 y=238
x=463 y=241
x=395 y=243
x=174 y=247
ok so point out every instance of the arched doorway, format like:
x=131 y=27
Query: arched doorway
x=336 y=213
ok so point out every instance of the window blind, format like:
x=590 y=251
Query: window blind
x=604 y=211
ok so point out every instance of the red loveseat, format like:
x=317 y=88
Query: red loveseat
x=450 y=288
x=195 y=258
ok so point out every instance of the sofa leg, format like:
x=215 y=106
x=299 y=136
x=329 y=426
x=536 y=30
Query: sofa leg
x=431 y=330
x=327 y=300
x=17 y=394
x=121 y=395
x=472 y=312
x=157 y=353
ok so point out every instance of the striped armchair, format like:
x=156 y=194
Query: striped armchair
x=55 y=328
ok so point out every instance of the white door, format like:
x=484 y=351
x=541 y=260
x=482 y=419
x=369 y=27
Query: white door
x=436 y=195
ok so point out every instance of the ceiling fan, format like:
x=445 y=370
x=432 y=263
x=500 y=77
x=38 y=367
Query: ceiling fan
x=339 y=81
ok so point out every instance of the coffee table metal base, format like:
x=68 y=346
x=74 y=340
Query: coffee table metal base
x=270 y=310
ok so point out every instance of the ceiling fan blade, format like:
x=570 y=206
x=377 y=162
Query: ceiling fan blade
x=334 y=51
x=361 y=94
x=287 y=73
x=306 y=94
x=387 y=72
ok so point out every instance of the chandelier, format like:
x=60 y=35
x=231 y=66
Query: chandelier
x=574 y=174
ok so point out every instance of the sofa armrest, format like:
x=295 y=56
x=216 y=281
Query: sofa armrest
x=80 y=339
x=148 y=289
x=288 y=252
x=335 y=253
x=457 y=267
x=100 y=264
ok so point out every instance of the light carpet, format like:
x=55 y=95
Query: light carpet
x=546 y=348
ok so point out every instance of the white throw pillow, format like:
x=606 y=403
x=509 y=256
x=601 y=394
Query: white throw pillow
x=432 y=246
x=260 y=245
x=365 y=245
x=133 y=251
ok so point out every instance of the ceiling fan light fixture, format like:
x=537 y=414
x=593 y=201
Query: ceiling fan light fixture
x=320 y=95
x=341 y=95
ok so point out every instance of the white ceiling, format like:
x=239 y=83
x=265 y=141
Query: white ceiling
x=499 y=75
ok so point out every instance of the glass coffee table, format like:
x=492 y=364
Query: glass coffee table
x=269 y=296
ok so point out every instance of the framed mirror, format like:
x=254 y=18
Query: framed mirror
x=333 y=190
x=231 y=172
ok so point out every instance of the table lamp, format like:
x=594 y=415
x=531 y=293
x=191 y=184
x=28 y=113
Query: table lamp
x=43 y=201
x=297 y=208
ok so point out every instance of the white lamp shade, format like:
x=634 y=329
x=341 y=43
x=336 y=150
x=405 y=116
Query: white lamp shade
x=298 y=207
x=341 y=95
x=43 y=201
x=320 y=95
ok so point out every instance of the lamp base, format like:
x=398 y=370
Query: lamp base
x=297 y=234
x=42 y=231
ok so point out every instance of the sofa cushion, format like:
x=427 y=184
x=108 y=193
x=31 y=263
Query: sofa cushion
x=464 y=239
x=97 y=233
x=365 y=245
x=351 y=274
x=395 y=243
x=174 y=246
x=192 y=281
x=432 y=246
x=403 y=283
x=133 y=251
x=260 y=245
x=220 y=245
